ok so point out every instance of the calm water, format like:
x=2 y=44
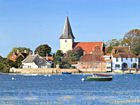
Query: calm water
x=69 y=90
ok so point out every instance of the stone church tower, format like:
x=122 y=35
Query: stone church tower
x=67 y=38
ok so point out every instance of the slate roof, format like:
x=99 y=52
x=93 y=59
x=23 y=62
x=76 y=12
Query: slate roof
x=67 y=31
x=87 y=46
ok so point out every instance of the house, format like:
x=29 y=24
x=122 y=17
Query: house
x=93 y=62
x=67 y=41
x=35 y=61
x=124 y=60
x=17 y=54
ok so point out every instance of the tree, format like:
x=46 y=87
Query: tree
x=112 y=43
x=19 y=59
x=42 y=50
x=133 y=36
x=1 y=59
x=21 y=50
x=136 y=50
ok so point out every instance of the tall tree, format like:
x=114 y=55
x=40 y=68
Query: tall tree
x=42 y=50
x=21 y=50
x=132 y=37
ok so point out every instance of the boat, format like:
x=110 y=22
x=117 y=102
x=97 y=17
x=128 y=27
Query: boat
x=66 y=72
x=128 y=73
x=99 y=77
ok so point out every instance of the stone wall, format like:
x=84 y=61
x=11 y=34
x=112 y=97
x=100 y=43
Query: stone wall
x=42 y=70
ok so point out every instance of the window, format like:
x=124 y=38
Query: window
x=117 y=66
x=12 y=56
x=108 y=67
x=91 y=62
x=116 y=59
x=131 y=59
x=122 y=59
x=97 y=62
x=81 y=63
x=108 y=62
x=135 y=59
x=90 y=67
x=83 y=67
x=95 y=67
x=66 y=41
x=126 y=58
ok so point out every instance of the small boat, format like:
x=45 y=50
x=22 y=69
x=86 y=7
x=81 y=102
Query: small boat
x=66 y=72
x=128 y=73
x=99 y=77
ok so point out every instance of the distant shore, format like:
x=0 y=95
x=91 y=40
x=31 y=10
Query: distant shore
x=60 y=73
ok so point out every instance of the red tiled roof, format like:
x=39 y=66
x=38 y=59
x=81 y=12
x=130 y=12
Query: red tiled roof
x=87 y=46
x=49 y=58
x=89 y=57
x=127 y=55
x=122 y=48
x=116 y=55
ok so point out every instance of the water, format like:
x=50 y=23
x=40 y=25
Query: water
x=69 y=90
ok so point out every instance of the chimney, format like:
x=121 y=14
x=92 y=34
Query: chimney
x=17 y=51
x=97 y=47
x=30 y=53
x=46 y=56
x=25 y=51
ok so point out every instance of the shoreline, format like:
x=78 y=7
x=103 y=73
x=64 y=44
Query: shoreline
x=61 y=73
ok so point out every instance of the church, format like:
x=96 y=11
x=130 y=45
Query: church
x=67 y=41
x=120 y=59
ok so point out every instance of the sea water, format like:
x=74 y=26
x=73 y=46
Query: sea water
x=69 y=90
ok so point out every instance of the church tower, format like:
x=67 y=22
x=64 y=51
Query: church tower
x=67 y=38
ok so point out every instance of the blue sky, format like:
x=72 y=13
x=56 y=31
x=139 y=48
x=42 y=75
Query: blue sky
x=30 y=23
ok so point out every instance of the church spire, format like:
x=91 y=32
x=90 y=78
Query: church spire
x=67 y=32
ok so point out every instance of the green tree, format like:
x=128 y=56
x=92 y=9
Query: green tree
x=43 y=50
x=112 y=43
x=136 y=50
x=19 y=59
x=21 y=50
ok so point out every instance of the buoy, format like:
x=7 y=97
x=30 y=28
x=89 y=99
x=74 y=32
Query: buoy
x=60 y=79
x=45 y=75
x=13 y=78
x=49 y=75
x=126 y=77
x=83 y=79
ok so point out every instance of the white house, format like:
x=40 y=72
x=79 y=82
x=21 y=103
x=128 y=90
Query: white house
x=36 y=61
x=108 y=60
x=124 y=60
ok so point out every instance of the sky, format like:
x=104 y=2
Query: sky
x=31 y=23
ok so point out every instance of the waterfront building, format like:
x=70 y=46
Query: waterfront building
x=36 y=61
x=17 y=54
x=93 y=62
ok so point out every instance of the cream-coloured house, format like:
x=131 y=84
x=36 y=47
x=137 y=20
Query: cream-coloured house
x=35 y=61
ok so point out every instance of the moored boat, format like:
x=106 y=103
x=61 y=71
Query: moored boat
x=66 y=72
x=99 y=77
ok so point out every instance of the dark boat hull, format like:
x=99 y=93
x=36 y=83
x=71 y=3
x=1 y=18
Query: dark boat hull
x=89 y=78
x=66 y=72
